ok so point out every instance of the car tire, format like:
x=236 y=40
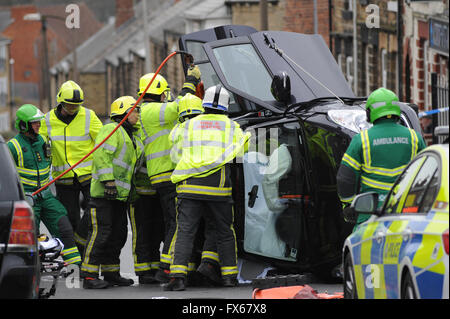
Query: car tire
x=349 y=279
x=408 y=291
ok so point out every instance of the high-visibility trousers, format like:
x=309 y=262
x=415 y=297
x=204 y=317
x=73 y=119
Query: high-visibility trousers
x=106 y=237
x=168 y=197
x=147 y=226
x=218 y=223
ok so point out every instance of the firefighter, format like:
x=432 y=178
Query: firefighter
x=147 y=223
x=205 y=246
x=32 y=158
x=71 y=129
x=157 y=120
x=112 y=173
x=378 y=155
x=210 y=141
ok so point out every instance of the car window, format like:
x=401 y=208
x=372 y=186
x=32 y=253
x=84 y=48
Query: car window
x=9 y=188
x=197 y=51
x=244 y=70
x=424 y=189
x=210 y=78
x=396 y=198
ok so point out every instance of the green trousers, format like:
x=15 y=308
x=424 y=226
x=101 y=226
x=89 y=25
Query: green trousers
x=54 y=216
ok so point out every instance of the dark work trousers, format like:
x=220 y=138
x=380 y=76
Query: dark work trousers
x=219 y=230
x=106 y=236
x=69 y=196
x=167 y=196
x=147 y=225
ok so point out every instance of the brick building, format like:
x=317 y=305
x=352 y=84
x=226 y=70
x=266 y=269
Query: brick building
x=27 y=46
x=283 y=15
x=425 y=54
x=376 y=46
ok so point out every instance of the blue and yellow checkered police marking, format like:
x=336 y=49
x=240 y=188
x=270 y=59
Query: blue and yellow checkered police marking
x=381 y=250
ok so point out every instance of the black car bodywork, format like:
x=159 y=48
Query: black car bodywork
x=19 y=263
x=287 y=211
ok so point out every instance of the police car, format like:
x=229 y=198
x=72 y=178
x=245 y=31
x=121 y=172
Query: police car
x=402 y=250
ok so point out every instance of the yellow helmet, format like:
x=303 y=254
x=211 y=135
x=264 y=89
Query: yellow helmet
x=190 y=104
x=158 y=87
x=121 y=105
x=71 y=93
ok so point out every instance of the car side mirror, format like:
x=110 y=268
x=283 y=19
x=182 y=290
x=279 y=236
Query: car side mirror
x=281 y=87
x=366 y=203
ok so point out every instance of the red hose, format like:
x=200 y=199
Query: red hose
x=115 y=129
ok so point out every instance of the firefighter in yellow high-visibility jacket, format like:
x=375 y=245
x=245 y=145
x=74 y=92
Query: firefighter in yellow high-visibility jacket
x=210 y=142
x=71 y=129
x=158 y=117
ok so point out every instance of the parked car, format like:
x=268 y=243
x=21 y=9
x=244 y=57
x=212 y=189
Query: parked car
x=402 y=250
x=19 y=258
x=287 y=89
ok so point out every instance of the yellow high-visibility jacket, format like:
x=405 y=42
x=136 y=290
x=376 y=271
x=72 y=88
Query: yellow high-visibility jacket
x=70 y=142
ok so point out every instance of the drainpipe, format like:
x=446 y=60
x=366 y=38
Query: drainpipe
x=400 y=49
x=355 y=51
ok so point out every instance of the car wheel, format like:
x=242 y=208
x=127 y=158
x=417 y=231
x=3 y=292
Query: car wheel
x=349 y=279
x=408 y=291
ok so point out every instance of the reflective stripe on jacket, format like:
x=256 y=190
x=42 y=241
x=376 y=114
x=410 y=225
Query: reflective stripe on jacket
x=157 y=120
x=378 y=155
x=32 y=165
x=114 y=161
x=70 y=142
x=208 y=141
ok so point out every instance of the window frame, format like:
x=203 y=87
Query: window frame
x=419 y=157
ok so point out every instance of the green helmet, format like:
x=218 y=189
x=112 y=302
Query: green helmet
x=382 y=102
x=27 y=113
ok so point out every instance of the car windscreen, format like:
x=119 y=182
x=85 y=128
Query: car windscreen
x=244 y=70
x=9 y=189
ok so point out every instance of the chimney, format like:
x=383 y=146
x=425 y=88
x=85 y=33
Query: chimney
x=124 y=11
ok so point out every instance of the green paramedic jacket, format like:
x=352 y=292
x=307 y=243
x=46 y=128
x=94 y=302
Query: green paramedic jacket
x=377 y=156
x=114 y=161
x=32 y=164
x=207 y=143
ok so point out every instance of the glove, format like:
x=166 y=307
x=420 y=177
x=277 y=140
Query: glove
x=110 y=190
x=350 y=216
x=195 y=72
x=193 y=76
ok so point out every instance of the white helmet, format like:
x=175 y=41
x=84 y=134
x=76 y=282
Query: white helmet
x=216 y=98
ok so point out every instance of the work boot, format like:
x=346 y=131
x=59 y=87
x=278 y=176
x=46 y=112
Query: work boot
x=211 y=273
x=162 y=275
x=175 y=284
x=229 y=281
x=147 y=279
x=115 y=279
x=94 y=283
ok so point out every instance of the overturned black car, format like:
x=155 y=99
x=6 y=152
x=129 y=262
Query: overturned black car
x=287 y=89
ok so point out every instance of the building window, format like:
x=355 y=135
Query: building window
x=2 y=58
x=341 y=62
x=349 y=70
x=348 y=5
x=384 y=68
